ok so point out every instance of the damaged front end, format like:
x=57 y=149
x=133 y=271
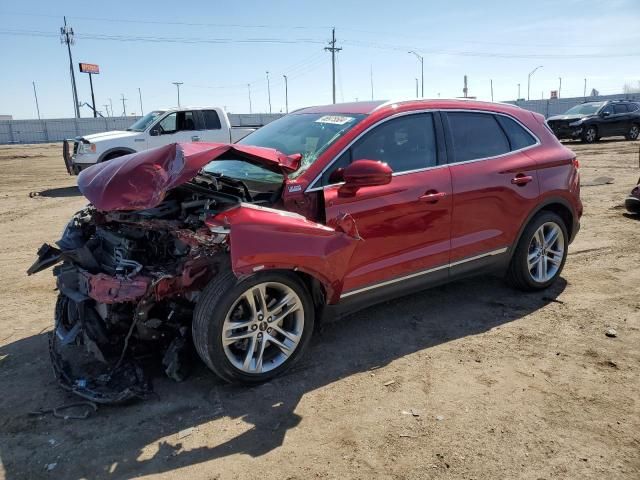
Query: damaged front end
x=131 y=266
x=127 y=286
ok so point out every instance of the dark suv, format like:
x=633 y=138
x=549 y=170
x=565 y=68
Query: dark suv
x=591 y=121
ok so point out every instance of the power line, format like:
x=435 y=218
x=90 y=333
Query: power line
x=356 y=43
x=188 y=24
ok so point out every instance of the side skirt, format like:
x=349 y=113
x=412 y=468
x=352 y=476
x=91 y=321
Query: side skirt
x=491 y=262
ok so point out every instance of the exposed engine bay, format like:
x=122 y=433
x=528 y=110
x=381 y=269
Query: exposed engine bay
x=128 y=282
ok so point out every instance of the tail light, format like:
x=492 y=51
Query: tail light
x=576 y=163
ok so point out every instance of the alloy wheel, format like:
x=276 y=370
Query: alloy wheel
x=590 y=135
x=546 y=252
x=634 y=132
x=263 y=327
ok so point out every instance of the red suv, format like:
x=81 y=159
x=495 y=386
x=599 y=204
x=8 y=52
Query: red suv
x=241 y=248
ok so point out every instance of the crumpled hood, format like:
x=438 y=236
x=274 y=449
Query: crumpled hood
x=141 y=180
x=567 y=117
x=111 y=135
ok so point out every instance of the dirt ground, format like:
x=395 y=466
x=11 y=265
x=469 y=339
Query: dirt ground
x=468 y=381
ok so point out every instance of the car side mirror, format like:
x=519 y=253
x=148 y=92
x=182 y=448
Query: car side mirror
x=364 y=173
x=605 y=114
x=154 y=132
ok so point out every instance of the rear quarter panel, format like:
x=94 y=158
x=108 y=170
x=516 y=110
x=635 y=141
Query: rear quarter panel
x=558 y=176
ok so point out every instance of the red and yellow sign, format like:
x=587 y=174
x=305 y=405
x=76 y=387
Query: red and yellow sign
x=90 y=68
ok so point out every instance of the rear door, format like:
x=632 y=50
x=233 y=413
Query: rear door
x=211 y=130
x=405 y=224
x=621 y=118
x=495 y=184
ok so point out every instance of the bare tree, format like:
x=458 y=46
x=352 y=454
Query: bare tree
x=629 y=88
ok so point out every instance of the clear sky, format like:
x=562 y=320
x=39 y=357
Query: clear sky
x=216 y=48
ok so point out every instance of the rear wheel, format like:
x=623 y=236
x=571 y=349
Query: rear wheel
x=590 y=135
x=540 y=254
x=633 y=133
x=250 y=331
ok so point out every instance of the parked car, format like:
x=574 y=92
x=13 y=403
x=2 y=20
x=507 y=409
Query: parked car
x=591 y=121
x=157 y=128
x=242 y=248
x=632 y=202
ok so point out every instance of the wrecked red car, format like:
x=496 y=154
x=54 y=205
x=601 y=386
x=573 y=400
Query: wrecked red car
x=632 y=202
x=238 y=250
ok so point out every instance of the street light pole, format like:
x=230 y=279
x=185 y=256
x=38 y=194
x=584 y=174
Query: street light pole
x=286 y=94
x=518 y=92
x=559 y=86
x=36 y=95
x=529 y=79
x=249 y=88
x=417 y=95
x=421 y=58
x=177 y=84
x=269 y=91
x=140 y=96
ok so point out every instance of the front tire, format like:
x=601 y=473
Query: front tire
x=252 y=330
x=540 y=254
x=634 y=132
x=590 y=135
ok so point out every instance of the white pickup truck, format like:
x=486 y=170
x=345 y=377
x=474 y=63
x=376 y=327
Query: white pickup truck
x=160 y=127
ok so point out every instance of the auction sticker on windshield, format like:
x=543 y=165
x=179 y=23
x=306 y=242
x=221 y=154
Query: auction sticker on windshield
x=335 y=119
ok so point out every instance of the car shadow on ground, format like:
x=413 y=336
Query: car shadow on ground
x=365 y=341
x=61 y=192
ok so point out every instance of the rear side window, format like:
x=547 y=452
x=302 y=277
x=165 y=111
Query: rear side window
x=476 y=135
x=211 y=120
x=620 y=108
x=518 y=136
x=632 y=107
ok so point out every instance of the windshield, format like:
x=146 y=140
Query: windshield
x=142 y=123
x=241 y=170
x=585 y=109
x=309 y=134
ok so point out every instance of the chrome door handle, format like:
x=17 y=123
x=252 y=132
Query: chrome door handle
x=195 y=138
x=432 y=197
x=521 y=180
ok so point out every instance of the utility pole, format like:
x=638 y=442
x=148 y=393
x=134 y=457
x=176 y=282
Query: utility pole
x=371 y=71
x=491 y=89
x=106 y=108
x=249 y=88
x=529 y=79
x=421 y=58
x=518 y=92
x=286 y=94
x=66 y=37
x=559 y=86
x=417 y=94
x=111 y=105
x=269 y=91
x=333 y=49
x=177 y=84
x=465 y=89
x=140 y=96
x=35 y=94
x=124 y=107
